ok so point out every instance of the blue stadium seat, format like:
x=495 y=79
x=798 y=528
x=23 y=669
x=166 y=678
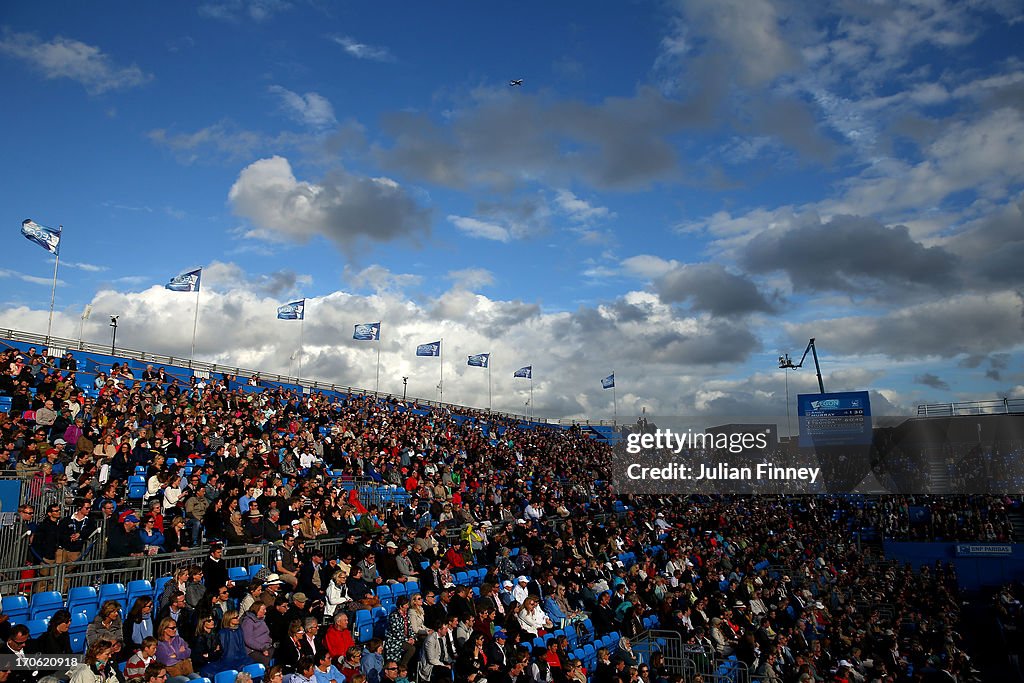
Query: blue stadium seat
x=114 y=591
x=158 y=588
x=398 y=590
x=257 y=671
x=570 y=633
x=16 y=608
x=136 y=488
x=80 y=597
x=79 y=625
x=411 y=587
x=238 y=574
x=37 y=627
x=362 y=630
x=226 y=676
x=44 y=604
x=254 y=569
x=137 y=589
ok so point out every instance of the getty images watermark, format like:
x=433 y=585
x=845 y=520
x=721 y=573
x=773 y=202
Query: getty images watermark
x=698 y=458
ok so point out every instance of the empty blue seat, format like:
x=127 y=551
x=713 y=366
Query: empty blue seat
x=136 y=488
x=363 y=629
x=81 y=596
x=226 y=676
x=76 y=631
x=45 y=604
x=16 y=607
x=37 y=627
x=238 y=573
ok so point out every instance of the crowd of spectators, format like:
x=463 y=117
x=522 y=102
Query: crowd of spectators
x=774 y=581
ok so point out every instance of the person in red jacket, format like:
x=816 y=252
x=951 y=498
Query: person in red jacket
x=338 y=637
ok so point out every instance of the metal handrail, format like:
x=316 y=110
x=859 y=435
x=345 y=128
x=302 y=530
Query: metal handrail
x=1002 y=406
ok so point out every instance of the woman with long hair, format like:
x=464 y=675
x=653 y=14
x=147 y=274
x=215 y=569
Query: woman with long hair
x=175 y=539
x=207 y=651
x=471 y=661
x=139 y=623
x=232 y=644
x=107 y=626
x=56 y=640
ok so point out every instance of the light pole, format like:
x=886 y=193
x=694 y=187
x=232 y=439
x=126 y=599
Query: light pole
x=785 y=362
x=405 y=387
x=113 y=334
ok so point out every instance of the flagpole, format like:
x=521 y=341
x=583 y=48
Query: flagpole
x=440 y=355
x=53 y=292
x=302 y=325
x=195 y=326
x=615 y=401
x=488 y=383
x=531 y=410
x=377 y=390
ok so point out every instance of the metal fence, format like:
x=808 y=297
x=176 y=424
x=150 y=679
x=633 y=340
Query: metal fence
x=689 y=660
x=29 y=579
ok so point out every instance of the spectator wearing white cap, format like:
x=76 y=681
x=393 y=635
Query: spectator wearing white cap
x=519 y=590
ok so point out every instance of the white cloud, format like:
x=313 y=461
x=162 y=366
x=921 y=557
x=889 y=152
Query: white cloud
x=311 y=109
x=380 y=279
x=481 y=229
x=73 y=59
x=363 y=51
x=471 y=278
x=32 y=279
x=344 y=208
x=87 y=267
x=580 y=210
x=647 y=266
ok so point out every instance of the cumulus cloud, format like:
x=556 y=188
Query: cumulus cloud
x=342 y=207
x=74 y=60
x=506 y=140
x=849 y=254
x=946 y=328
x=710 y=287
x=311 y=109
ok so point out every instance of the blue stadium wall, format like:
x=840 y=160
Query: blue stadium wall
x=973 y=572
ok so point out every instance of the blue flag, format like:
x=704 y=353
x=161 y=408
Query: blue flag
x=295 y=310
x=608 y=382
x=526 y=372
x=367 y=332
x=480 y=360
x=431 y=349
x=186 y=282
x=47 y=238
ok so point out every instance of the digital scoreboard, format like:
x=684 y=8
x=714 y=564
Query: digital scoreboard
x=837 y=419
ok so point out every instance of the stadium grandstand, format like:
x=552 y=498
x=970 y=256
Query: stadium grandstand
x=218 y=524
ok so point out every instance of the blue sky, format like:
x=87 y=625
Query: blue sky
x=679 y=191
